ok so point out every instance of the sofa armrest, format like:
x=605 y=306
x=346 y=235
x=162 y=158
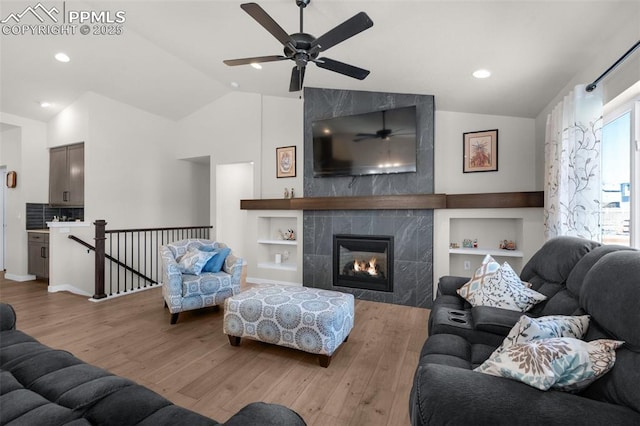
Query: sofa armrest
x=448 y=395
x=263 y=414
x=448 y=284
x=233 y=266
x=171 y=275
x=494 y=320
x=7 y=317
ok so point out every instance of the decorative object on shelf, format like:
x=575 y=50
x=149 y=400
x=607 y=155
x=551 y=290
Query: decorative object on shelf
x=286 y=161
x=467 y=243
x=480 y=151
x=285 y=255
x=278 y=258
x=286 y=193
x=475 y=243
x=12 y=179
x=290 y=235
x=507 y=245
x=291 y=193
x=454 y=245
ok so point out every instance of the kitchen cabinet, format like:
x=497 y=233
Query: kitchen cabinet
x=66 y=175
x=38 y=248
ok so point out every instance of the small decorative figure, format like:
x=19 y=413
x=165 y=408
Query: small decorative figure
x=291 y=193
x=454 y=245
x=475 y=243
x=286 y=193
x=289 y=235
x=507 y=245
x=467 y=243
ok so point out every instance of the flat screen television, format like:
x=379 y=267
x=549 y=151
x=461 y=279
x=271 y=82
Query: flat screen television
x=377 y=142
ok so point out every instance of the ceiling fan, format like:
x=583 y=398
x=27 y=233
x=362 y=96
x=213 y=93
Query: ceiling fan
x=384 y=133
x=303 y=48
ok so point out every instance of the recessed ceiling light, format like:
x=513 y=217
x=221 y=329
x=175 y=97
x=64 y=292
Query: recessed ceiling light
x=62 y=57
x=481 y=73
x=45 y=104
x=256 y=65
x=234 y=84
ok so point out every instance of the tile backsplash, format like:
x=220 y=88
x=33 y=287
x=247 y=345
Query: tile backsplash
x=39 y=214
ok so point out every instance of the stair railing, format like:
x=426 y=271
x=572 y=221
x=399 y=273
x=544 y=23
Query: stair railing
x=130 y=258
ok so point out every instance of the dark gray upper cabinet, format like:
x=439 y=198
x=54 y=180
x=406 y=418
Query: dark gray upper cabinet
x=66 y=175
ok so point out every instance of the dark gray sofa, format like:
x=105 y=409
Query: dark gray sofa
x=603 y=282
x=43 y=386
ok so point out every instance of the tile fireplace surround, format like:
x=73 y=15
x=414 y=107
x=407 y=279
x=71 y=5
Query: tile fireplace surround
x=412 y=229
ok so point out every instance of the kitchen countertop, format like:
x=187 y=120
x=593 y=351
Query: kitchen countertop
x=38 y=231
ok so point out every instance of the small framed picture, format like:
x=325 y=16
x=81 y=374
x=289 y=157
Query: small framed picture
x=480 y=151
x=286 y=162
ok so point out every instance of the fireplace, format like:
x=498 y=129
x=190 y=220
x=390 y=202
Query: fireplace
x=363 y=261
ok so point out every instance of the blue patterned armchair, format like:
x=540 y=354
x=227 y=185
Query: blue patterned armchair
x=197 y=273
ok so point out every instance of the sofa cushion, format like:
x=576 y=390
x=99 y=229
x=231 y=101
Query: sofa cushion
x=528 y=329
x=616 y=315
x=562 y=363
x=205 y=283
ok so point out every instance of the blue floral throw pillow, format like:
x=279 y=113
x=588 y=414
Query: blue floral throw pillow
x=193 y=261
x=562 y=363
x=214 y=264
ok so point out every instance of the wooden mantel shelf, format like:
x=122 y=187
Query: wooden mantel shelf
x=401 y=202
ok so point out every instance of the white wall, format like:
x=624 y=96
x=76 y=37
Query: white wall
x=516 y=154
x=132 y=178
x=243 y=128
x=282 y=125
x=24 y=151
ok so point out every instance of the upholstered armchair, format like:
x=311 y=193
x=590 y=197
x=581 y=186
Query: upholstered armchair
x=197 y=273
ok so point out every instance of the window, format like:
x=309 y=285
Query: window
x=620 y=173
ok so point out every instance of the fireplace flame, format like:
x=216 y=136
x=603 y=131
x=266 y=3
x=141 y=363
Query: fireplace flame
x=363 y=266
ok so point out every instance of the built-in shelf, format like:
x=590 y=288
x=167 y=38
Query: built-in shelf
x=402 y=202
x=480 y=251
x=279 y=242
x=278 y=266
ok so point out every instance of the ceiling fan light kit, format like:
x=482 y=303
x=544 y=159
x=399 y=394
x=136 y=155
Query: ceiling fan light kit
x=303 y=48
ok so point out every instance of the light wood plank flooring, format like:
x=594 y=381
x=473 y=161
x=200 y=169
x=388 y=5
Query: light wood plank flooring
x=193 y=365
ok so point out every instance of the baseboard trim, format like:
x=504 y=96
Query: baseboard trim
x=67 y=287
x=253 y=280
x=19 y=278
x=136 y=290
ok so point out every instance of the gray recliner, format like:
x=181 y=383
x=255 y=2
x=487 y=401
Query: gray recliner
x=605 y=284
x=549 y=271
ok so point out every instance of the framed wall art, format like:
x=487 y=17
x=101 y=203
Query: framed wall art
x=480 y=151
x=286 y=162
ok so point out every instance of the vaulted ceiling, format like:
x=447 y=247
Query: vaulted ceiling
x=168 y=59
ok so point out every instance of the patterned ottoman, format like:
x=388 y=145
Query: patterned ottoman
x=309 y=319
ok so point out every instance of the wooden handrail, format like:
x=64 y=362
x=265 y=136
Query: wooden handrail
x=111 y=258
x=172 y=228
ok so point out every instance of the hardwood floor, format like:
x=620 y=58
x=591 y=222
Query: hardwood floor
x=193 y=365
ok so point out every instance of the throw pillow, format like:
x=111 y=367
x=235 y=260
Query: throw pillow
x=193 y=261
x=528 y=329
x=504 y=290
x=500 y=287
x=562 y=363
x=215 y=263
x=473 y=288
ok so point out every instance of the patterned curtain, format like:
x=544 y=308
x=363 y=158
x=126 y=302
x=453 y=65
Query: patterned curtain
x=572 y=166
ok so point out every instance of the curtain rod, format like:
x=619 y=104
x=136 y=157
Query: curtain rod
x=592 y=86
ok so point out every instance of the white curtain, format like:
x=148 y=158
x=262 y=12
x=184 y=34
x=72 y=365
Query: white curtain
x=572 y=166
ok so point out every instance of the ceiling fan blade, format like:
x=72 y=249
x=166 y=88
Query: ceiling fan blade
x=268 y=23
x=342 y=68
x=246 y=61
x=352 y=26
x=297 y=78
x=364 y=136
